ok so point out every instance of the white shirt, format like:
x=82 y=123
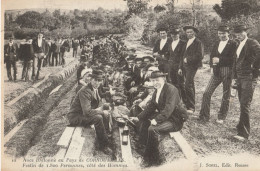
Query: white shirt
x=96 y=93
x=240 y=47
x=190 y=41
x=158 y=93
x=162 y=43
x=40 y=42
x=174 y=44
x=222 y=45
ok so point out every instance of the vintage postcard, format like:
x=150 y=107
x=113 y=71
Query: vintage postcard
x=130 y=85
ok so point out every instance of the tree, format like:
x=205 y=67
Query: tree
x=136 y=6
x=159 y=8
x=235 y=8
x=30 y=19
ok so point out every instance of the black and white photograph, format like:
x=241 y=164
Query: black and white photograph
x=130 y=85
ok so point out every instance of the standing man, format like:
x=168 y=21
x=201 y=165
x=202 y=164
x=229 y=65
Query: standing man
x=10 y=58
x=163 y=114
x=26 y=50
x=191 y=61
x=221 y=60
x=176 y=49
x=40 y=48
x=161 y=50
x=245 y=74
x=84 y=110
x=75 y=46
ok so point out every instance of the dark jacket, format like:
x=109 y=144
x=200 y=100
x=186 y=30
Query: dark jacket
x=10 y=53
x=226 y=58
x=26 y=52
x=248 y=61
x=84 y=104
x=168 y=106
x=176 y=55
x=165 y=49
x=43 y=49
x=194 y=54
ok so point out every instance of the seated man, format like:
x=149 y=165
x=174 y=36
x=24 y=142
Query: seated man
x=163 y=114
x=84 y=110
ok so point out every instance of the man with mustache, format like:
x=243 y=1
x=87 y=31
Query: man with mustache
x=163 y=114
x=221 y=60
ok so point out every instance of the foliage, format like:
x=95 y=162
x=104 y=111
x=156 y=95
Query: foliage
x=31 y=18
x=235 y=8
x=135 y=26
x=159 y=8
x=136 y=7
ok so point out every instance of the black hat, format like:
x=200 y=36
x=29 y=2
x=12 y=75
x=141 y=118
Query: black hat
x=162 y=28
x=11 y=38
x=97 y=74
x=174 y=31
x=131 y=57
x=138 y=59
x=156 y=74
x=240 y=28
x=190 y=27
x=148 y=57
x=223 y=28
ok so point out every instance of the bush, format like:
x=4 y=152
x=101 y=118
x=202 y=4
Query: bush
x=78 y=32
x=24 y=32
x=135 y=26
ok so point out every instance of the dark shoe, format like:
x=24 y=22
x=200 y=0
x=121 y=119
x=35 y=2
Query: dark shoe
x=107 y=151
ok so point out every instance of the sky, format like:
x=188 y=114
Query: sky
x=81 y=4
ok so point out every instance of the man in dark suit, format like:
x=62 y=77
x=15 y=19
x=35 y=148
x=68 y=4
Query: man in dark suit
x=176 y=49
x=40 y=48
x=221 y=60
x=26 y=52
x=245 y=73
x=161 y=50
x=10 y=58
x=163 y=114
x=84 y=110
x=191 y=61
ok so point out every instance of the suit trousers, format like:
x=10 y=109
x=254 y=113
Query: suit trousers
x=9 y=65
x=37 y=64
x=101 y=123
x=26 y=69
x=223 y=77
x=246 y=87
x=189 y=85
x=153 y=135
x=178 y=82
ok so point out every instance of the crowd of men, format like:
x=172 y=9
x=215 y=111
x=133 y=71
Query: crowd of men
x=158 y=90
x=39 y=52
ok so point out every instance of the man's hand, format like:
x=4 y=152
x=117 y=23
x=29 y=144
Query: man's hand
x=132 y=83
x=112 y=92
x=138 y=101
x=180 y=72
x=133 y=89
x=153 y=122
x=106 y=112
x=134 y=119
x=185 y=60
x=215 y=60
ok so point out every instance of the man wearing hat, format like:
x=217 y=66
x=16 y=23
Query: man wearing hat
x=40 y=48
x=84 y=110
x=245 y=75
x=148 y=60
x=176 y=49
x=170 y=116
x=161 y=50
x=221 y=60
x=10 y=58
x=190 y=62
x=136 y=78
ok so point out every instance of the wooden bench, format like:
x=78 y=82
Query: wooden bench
x=71 y=143
x=185 y=147
x=126 y=150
